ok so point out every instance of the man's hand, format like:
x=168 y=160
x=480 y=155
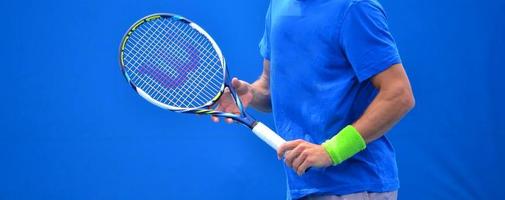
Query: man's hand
x=300 y=155
x=226 y=103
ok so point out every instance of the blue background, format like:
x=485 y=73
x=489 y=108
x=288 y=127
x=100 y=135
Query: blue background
x=71 y=128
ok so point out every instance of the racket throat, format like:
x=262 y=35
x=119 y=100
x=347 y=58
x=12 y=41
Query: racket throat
x=247 y=120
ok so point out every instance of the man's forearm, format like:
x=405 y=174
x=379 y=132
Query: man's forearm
x=261 y=100
x=261 y=90
x=393 y=101
x=384 y=112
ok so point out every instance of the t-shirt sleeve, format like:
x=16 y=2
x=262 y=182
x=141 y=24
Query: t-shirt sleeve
x=366 y=41
x=265 y=41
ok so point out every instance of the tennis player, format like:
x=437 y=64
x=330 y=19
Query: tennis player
x=334 y=81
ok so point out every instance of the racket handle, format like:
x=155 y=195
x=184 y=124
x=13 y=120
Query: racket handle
x=267 y=135
x=270 y=137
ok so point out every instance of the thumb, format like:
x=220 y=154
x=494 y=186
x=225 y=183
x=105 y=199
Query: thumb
x=236 y=83
x=240 y=86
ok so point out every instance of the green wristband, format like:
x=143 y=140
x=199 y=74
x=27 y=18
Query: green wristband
x=344 y=145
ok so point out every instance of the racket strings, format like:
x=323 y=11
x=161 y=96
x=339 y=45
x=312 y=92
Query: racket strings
x=199 y=74
x=173 y=63
x=206 y=72
x=147 y=83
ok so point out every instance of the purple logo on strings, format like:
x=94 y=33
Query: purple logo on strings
x=166 y=79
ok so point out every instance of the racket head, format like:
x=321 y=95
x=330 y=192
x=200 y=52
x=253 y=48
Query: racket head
x=173 y=63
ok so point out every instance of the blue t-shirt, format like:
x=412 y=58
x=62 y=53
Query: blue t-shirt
x=322 y=55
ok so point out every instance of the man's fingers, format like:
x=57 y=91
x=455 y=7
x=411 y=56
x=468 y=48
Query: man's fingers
x=286 y=147
x=293 y=154
x=229 y=120
x=299 y=160
x=214 y=119
x=303 y=167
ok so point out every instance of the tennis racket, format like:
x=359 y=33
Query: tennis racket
x=174 y=64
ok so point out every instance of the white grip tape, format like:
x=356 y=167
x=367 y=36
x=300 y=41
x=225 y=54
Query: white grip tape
x=267 y=135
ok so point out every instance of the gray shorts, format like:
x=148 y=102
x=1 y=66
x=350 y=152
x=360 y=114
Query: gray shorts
x=358 y=196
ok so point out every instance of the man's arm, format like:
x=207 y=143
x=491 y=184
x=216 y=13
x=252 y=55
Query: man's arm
x=261 y=90
x=393 y=101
